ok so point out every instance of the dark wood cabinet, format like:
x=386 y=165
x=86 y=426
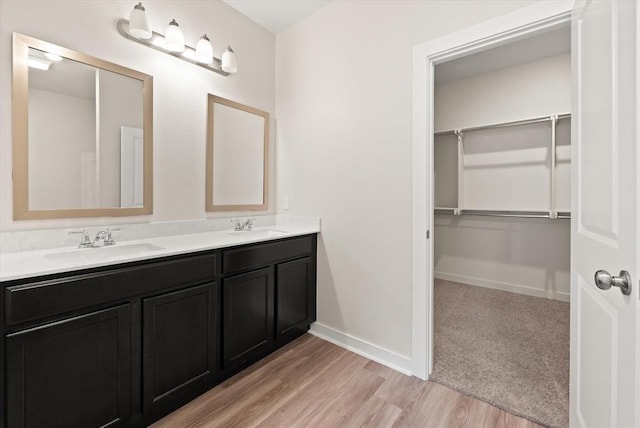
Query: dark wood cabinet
x=247 y=316
x=71 y=373
x=179 y=344
x=270 y=305
x=127 y=344
x=295 y=297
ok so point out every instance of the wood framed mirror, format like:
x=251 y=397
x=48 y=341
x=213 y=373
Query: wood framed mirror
x=82 y=135
x=237 y=156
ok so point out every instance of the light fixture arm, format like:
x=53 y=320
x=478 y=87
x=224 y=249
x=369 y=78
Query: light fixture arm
x=153 y=42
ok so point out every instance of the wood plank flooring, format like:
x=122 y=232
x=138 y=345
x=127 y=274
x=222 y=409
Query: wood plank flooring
x=313 y=383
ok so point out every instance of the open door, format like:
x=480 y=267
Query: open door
x=605 y=213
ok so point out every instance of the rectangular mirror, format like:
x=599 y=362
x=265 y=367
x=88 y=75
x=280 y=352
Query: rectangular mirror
x=82 y=135
x=237 y=156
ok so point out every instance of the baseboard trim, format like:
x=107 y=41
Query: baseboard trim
x=368 y=350
x=513 y=288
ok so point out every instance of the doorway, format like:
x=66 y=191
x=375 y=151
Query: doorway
x=533 y=22
x=538 y=18
x=604 y=228
x=501 y=231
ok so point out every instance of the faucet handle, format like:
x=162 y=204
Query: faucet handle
x=248 y=224
x=85 y=240
x=108 y=239
x=237 y=224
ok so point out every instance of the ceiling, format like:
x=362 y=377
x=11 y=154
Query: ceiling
x=65 y=77
x=520 y=52
x=276 y=15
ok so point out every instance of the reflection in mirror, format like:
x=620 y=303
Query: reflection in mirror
x=82 y=135
x=237 y=156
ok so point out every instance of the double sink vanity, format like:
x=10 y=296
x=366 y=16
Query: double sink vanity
x=122 y=335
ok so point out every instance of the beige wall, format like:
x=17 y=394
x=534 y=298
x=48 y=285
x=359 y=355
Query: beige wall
x=180 y=88
x=344 y=102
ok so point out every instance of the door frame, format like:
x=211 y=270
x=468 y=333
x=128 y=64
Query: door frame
x=518 y=24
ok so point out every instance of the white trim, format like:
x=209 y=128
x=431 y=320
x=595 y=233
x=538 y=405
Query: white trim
x=368 y=350
x=637 y=273
x=518 y=24
x=503 y=286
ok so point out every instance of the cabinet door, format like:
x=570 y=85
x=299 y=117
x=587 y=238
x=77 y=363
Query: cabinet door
x=248 y=318
x=295 y=297
x=71 y=373
x=179 y=344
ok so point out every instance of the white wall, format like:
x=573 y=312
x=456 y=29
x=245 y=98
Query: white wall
x=538 y=88
x=344 y=100
x=529 y=256
x=180 y=88
x=60 y=117
x=121 y=104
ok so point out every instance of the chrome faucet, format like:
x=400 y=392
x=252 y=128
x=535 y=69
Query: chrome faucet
x=85 y=240
x=104 y=235
x=248 y=224
x=240 y=225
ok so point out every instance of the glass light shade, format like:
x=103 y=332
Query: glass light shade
x=139 y=24
x=204 y=50
x=173 y=38
x=229 y=62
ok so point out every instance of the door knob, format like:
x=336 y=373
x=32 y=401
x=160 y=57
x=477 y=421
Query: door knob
x=604 y=281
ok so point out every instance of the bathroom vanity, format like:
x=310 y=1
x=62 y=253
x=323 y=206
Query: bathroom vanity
x=125 y=343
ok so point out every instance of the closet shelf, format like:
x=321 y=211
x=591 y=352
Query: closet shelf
x=506 y=124
x=551 y=212
x=503 y=213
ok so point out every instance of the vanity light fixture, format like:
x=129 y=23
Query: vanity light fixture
x=204 y=51
x=38 y=63
x=173 y=39
x=138 y=29
x=53 y=57
x=139 y=24
x=229 y=62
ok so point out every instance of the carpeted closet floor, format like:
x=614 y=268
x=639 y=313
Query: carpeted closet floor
x=507 y=349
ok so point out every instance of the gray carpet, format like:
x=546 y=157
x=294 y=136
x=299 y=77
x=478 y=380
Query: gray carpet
x=507 y=349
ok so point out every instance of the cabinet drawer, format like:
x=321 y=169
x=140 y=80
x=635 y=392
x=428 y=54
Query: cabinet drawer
x=258 y=255
x=47 y=298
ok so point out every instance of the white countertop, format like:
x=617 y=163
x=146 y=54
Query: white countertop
x=28 y=264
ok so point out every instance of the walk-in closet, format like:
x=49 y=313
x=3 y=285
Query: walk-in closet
x=501 y=240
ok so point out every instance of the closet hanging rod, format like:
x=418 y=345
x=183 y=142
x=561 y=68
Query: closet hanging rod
x=504 y=124
x=501 y=213
x=505 y=213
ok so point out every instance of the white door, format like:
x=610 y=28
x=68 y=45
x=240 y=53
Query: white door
x=605 y=214
x=131 y=167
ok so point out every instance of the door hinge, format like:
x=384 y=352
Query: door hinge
x=428 y=233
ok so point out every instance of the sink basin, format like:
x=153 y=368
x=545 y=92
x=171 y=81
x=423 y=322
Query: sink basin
x=100 y=253
x=258 y=233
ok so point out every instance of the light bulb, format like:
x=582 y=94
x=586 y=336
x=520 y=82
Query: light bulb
x=139 y=25
x=229 y=62
x=173 y=39
x=204 y=50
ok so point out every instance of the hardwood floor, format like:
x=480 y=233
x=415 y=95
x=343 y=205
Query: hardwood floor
x=313 y=383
